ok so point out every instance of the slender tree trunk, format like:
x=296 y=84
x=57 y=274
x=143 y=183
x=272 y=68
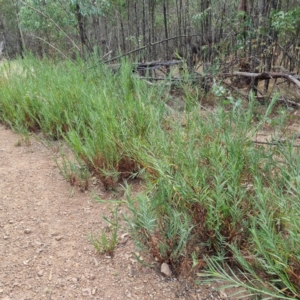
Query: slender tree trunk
x=144 y=25
x=122 y=33
x=149 y=27
x=20 y=34
x=270 y=41
x=152 y=33
x=166 y=30
x=80 y=22
x=137 y=32
x=178 y=11
x=190 y=60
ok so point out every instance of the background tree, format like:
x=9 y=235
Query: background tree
x=261 y=33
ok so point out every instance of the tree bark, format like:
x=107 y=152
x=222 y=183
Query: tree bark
x=20 y=34
x=166 y=30
x=80 y=22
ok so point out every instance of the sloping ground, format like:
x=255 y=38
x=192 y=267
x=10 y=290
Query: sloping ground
x=44 y=250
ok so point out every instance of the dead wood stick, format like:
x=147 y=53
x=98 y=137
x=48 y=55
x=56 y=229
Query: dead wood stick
x=267 y=75
x=273 y=143
x=279 y=142
x=290 y=102
x=236 y=90
x=149 y=45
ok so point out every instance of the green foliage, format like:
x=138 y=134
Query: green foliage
x=74 y=172
x=286 y=23
x=105 y=244
x=89 y=8
x=32 y=20
x=222 y=197
x=202 y=16
x=212 y=197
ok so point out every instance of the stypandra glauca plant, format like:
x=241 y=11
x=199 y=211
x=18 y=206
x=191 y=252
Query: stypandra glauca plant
x=125 y=111
x=222 y=203
x=106 y=242
x=214 y=204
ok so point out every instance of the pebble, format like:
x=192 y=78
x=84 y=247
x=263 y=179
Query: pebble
x=40 y=273
x=5 y=237
x=86 y=292
x=165 y=269
x=74 y=280
x=96 y=262
x=27 y=231
x=92 y=276
x=58 y=238
x=128 y=294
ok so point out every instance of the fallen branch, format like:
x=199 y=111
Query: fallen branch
x=274 y=143
x=147 y=66
x=280 y=142
x=149 y=45
x=267 y=75
x=289 y=102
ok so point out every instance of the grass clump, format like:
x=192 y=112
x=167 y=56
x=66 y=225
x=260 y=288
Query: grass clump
x=213 y=199
x=106 y=243
x=76 y=173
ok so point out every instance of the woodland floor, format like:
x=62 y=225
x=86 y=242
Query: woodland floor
x=44 y=249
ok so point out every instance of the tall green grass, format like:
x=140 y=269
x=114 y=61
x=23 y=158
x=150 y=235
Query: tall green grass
x=212 y=198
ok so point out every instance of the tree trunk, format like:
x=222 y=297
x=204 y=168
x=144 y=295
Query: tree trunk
x=144 y=25
x=80 y=22
x=166 y=31
x=20 y=34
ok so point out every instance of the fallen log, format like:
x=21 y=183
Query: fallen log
x=292 y=77
x=143 y=66
x=157 y=64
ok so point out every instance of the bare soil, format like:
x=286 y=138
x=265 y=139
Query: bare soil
x=44 y=249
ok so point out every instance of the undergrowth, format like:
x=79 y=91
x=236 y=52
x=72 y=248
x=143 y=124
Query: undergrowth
x=215 y=204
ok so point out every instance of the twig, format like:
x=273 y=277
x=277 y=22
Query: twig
x=149 y=45
x=106 y=54
x=43 y=40
x=287 y=54
x=290 y=102
x=275 y=143
x=236 y=90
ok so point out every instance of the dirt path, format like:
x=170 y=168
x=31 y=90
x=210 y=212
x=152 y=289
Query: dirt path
x=44 y=250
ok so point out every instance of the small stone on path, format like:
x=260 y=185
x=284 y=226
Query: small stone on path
x=86 y=292
x=74 y=280
x=165 y=269
x=92 y=276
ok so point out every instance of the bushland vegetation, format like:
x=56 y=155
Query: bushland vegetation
x=217 y=201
